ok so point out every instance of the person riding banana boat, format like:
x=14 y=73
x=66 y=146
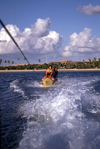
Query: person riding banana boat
x=54 y=74
x=48 y=73
x=51 y=73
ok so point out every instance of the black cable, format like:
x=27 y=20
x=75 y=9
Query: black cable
x=15 y=43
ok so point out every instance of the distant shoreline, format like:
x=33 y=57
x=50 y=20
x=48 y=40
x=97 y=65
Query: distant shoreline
x=43 y=70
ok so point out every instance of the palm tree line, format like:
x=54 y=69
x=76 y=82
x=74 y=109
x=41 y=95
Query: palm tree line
x=12 y=62
x=8 y=61
x=69 y=65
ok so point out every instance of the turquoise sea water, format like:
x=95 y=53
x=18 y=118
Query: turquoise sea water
x=64 y=116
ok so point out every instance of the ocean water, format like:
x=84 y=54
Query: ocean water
x=64 y=116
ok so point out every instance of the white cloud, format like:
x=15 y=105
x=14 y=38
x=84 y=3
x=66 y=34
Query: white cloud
x=36 y=40
x=82 y=43
x=89 y=10
x=4 y=36
x=41 y=27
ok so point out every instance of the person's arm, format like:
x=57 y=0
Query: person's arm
x=51 y=73
x=46 y=73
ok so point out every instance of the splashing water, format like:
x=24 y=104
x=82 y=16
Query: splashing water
x=58 y=118
x=64 y=116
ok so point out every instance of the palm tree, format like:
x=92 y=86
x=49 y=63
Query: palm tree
x=5 y=61
x=8 y=61
x=94 y=58
x=39 y=60
x=0 y=61
x=89 y=60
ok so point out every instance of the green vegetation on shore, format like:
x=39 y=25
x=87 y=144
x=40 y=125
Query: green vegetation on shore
x=69 y=65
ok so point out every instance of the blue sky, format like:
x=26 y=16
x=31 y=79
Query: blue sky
x=69 y=26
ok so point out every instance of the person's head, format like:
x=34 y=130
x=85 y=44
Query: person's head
x=55 y=68
x=50 y=67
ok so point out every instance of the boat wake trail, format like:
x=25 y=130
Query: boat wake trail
x=66 y=115
x=58 y=118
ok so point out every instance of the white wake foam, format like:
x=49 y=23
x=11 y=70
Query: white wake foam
x=58 y=115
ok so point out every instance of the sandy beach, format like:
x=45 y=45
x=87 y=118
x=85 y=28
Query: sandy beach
x=43 y=70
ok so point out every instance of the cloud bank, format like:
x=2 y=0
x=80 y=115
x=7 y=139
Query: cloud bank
x=37 y=40
x=82 y=43
x=89 y=10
